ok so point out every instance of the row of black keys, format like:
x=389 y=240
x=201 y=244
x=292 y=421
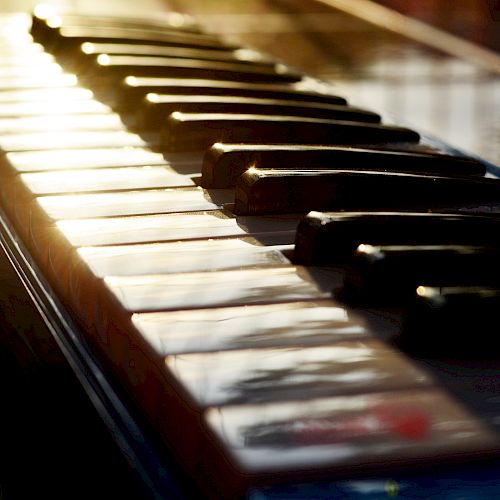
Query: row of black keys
x=206 y=91
x=443 y=268
x=193 y=114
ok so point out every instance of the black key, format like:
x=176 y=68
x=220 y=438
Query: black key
x=156 y=108
x=45 y=22
x=224 y=163
x=391 y=274
x=328 y=238
x=242 y=56
x=451 y=322
x=67 y=39
x=132 y=89
x=187 y=132
x=260 y=191
x=118 y=67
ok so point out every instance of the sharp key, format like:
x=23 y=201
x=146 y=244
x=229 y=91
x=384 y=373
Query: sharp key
x=241 y=56
x=156 y=108
x=66 y=39
x=118 y=67
x=390 y=274
x=287 y=191
x=133 y=88
x=224 y=163
x=452 y=322
x=329 y=238
x=187 y=132
x=46 y=21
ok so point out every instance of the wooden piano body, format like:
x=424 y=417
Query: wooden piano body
x=191 y=338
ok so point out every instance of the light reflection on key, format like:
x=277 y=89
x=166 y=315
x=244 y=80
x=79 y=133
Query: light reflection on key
x=285 y=324
x=56 y=107
x=130 y=203
x=30 y=59
x=112 y=179
x=61 y=159
x=42 y=81
x=69 y=140
x=31 y=71
x=45 y=94
x=183 y=256
x=64 y=123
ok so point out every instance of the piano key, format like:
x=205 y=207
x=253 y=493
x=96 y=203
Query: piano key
x=452 y=323
x=37 y=58
x=133 y=88
x=224 y=163
x=44 y=21
x=244 y=327
x=261 y=191
x=105 y=179
x=198 y=290
x=187 y=132
x=46 y=26
x=154 y=201
x=72 y=122
x=31 y=70
x=54 y=108
x=337 y=433
x=61 y=159
x=155 y=108
x=170 y=227
x=390 y=274
x=20 y=49
x=59 y=80
x=328 y=238
x=292 y=373
x=242 y=56
x=67 y=39
x=45 y=94
x=112 y=68
x=69 y=140
x=187 y=256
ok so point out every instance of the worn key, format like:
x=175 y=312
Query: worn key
x=328 y=238
x=156 y=108
x=196 y=131
x=224 y=163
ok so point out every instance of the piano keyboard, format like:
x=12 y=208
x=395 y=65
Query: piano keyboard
x=254 y=259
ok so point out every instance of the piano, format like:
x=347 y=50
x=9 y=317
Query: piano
x=266 y=286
